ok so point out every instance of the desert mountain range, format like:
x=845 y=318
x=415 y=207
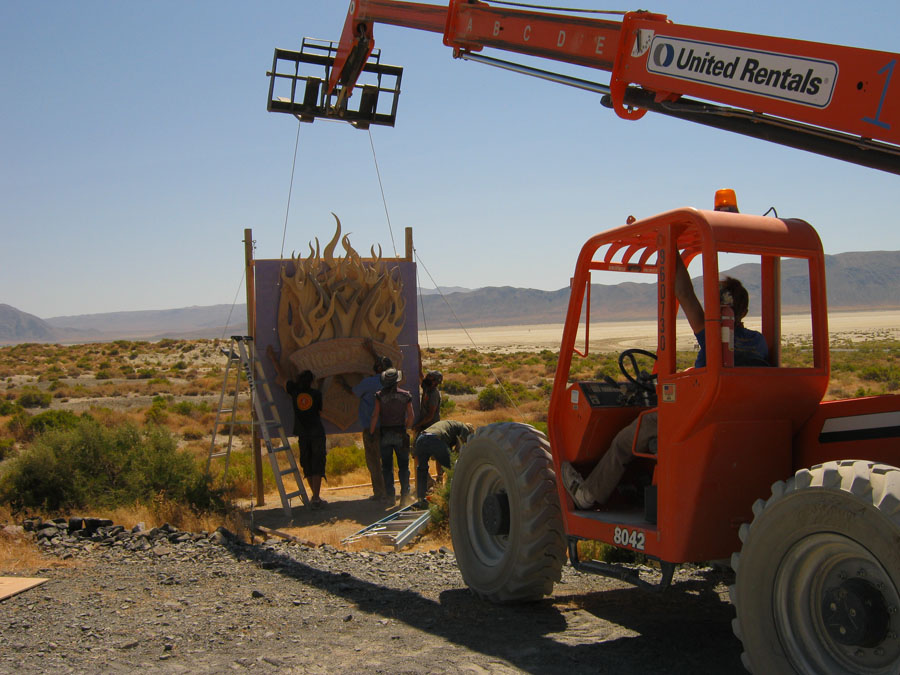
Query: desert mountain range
x=855 y=281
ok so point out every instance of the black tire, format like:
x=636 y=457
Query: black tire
x=516 y=551
x=817 y=586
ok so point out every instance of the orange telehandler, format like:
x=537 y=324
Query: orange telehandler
x=750 y=462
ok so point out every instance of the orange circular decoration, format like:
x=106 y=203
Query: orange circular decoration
x=304 y=401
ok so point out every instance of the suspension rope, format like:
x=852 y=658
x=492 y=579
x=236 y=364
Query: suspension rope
x=287 y=209
x=421 y=302
x=460 y=324
x=558 y=9
x=233 y=303
x=383 y=199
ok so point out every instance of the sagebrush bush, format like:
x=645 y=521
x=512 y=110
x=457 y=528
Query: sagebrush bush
x=6 y=448
x=34 y=398
x=51 y=419
x=457 y=388
x=491 y=397
x=93 y=466
x=9 y=408
x=343 y=460
x=448 y=405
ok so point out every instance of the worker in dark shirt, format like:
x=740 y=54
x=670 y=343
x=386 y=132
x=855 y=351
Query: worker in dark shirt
x=393 y=415
x=437 y=441
x=307 y=404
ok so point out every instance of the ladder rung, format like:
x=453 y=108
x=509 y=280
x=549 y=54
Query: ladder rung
x=280 y=449
x=218 y=454
x=291 y=495
x=286 y=471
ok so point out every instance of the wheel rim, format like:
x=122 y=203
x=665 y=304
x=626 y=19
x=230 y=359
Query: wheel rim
x=484 y=485
x=836 y=608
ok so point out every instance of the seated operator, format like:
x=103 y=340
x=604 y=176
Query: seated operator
x=749 y=349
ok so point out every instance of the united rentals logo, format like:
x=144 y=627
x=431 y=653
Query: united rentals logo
x=780 y=76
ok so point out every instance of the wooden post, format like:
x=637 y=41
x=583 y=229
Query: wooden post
x=409 y=245
x=249 y=275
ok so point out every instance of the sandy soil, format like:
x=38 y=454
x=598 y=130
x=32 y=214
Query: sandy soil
x=623 y=334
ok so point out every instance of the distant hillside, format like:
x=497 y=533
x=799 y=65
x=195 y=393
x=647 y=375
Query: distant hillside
x=184 y=322
x=188 y=322
x=855 y=281
x=17 y=326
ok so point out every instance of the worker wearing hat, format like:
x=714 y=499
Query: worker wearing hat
x=365 y=390
x=393 y=415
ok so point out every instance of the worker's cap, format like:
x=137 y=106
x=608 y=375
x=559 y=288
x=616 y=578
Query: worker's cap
x=470 y=428
x=435 y=377
x=390 y=376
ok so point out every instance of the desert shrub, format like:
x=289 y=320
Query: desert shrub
x=448 y=405
x=18 y=424
x=157 y=413
x=34 y=398
x=457 y=388
x=93 y=466
x=491 y=397
x=343 y=460
x=103 y=374
x=9 y=408
x=190 y=409
x=439 y=501
x=6 y=448
x=596 y=550
x=51 y=419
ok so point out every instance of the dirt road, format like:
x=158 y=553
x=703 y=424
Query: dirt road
x=170 y=602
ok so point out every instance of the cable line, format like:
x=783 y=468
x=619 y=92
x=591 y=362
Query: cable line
x=383 y=199
x=460 y=324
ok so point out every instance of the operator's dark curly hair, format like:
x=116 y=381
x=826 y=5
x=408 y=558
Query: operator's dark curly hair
x=740 y=299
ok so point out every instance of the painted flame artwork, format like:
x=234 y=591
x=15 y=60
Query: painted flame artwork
x=333 y=312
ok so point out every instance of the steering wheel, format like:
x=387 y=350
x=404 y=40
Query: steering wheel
x=640 y=378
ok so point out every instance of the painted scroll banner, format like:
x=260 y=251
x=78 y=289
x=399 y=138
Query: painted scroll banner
x=339 y=365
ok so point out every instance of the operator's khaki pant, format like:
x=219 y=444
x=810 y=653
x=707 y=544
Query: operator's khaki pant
x=372 y=445
x=609 y=470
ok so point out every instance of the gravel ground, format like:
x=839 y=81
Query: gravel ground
x=172 y=602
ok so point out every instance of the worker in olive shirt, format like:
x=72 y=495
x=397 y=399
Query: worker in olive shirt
x=437 y=441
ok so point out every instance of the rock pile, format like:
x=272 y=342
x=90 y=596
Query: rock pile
x=86 y=534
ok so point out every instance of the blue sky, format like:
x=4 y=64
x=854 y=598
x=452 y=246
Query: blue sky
x=136 y=147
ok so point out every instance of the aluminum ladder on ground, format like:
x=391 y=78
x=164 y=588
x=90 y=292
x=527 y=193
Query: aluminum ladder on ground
x=397 y=529
x=271 y=430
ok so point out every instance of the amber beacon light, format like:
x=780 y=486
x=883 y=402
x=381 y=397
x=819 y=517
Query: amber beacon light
x=726 y=200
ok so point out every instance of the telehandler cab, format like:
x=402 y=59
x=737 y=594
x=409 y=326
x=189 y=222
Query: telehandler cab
x=750 y=462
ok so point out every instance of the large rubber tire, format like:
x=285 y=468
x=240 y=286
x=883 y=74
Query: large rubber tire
x=507 y=463
x=817 y=586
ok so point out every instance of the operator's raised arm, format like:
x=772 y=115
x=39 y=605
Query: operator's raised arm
x=687 y=298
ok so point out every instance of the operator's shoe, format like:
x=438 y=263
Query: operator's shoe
x=405 y=500
x=573 y=482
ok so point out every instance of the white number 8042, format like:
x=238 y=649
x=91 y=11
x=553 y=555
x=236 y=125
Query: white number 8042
x=631 y=538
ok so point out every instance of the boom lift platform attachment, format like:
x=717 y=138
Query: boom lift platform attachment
x=307 y=97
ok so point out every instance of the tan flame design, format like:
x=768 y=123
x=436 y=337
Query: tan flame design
x=324 y=297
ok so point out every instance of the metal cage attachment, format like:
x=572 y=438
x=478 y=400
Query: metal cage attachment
x=305 y=96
